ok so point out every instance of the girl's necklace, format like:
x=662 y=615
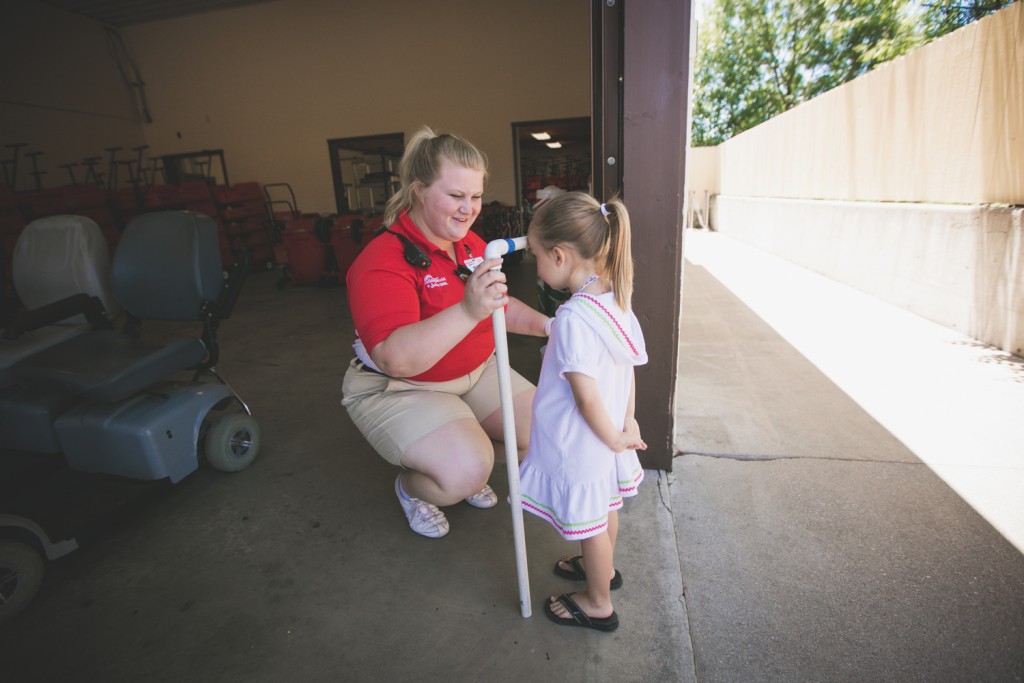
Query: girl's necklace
x=586 y=284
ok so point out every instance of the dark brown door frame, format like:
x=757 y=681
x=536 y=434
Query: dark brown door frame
x=640 y=75
x=606 y=108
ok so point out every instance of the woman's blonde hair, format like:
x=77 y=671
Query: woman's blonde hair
x=597 y=231
x=421 y=164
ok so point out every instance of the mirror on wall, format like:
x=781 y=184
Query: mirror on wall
x=365 y=171
x=551 y=153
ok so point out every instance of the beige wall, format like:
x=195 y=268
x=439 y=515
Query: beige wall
x=961 y=266
x=703 y=180
x=271 y=83
x=895 y=183
x=943 y=124
x=62 y=92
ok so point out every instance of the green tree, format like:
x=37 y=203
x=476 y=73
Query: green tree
x=939 y=17
x=759 y=58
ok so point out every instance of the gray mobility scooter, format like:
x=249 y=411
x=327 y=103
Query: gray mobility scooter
x=91 y=412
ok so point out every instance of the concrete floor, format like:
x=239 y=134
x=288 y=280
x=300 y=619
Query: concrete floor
x=814 y=545
x=796 y=539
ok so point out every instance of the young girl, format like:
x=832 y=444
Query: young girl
x=581 y=459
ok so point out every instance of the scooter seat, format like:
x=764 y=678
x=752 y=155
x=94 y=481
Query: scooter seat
x=167 y=267
x=14 y=350
x=106 y=365
x=56 y=257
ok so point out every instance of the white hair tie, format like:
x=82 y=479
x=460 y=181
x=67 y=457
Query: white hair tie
x=604 y=210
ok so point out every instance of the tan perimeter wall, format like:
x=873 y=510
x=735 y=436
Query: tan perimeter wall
x=943 y=124
x=960 y=266
x=703 y=181
x=898 y=183
x=271 y=83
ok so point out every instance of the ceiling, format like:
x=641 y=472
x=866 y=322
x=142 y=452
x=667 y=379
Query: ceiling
x=574 y=134
x=128 y=12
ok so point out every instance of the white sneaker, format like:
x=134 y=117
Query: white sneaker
x=424 y=518
x=487 y=498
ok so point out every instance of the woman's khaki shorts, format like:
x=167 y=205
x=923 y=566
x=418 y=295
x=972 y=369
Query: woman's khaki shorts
x=393 y=414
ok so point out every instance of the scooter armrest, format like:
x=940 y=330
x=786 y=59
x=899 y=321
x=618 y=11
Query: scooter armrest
x=79 y=304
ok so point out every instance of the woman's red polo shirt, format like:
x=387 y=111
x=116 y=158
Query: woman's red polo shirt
x=385 y=293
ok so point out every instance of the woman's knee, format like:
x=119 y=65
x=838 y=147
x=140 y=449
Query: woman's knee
x=462 y=482
x=458 y=457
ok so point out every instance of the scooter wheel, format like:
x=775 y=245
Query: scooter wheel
x=21 y=575
x=232 y=442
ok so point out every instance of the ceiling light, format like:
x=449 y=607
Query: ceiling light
x=554 y=145
x=541 y=136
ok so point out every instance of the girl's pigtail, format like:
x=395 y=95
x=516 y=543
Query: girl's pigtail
x=620 y=253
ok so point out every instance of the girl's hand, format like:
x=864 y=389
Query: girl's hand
x=486 y=290
x=588 y=400
x=630 y=439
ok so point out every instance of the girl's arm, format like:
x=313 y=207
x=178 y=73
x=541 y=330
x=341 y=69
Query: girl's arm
x=588 y=400
x=630 y=425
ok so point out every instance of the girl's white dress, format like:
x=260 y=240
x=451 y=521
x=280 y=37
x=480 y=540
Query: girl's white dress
x=570 y=477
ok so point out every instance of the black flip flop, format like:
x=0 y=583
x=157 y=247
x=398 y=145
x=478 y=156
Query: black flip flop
x=579 y=617
x=577 y=573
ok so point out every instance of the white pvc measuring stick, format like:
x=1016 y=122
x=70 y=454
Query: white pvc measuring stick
x=496 y=249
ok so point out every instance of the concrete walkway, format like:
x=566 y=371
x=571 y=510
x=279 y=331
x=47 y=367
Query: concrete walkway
x=303 y=568
x=814 y=543
x=797 y=539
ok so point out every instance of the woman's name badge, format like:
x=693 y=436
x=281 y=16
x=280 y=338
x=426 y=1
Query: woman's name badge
x=472 y=263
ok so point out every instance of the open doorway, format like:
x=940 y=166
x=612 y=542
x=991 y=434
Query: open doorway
x=365 y=171
x=551 y=153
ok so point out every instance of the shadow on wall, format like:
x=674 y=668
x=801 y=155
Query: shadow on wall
x=997 y=311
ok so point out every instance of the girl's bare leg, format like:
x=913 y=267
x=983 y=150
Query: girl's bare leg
x=613 y=534
x=596 y=601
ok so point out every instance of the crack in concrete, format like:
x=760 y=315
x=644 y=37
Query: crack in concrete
x=664 y=484
x=665 y=503
x=769 y=457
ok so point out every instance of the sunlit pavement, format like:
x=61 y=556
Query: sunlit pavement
x=956 y=403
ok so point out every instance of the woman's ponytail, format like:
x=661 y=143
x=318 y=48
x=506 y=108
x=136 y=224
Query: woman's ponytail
x=414 y=151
